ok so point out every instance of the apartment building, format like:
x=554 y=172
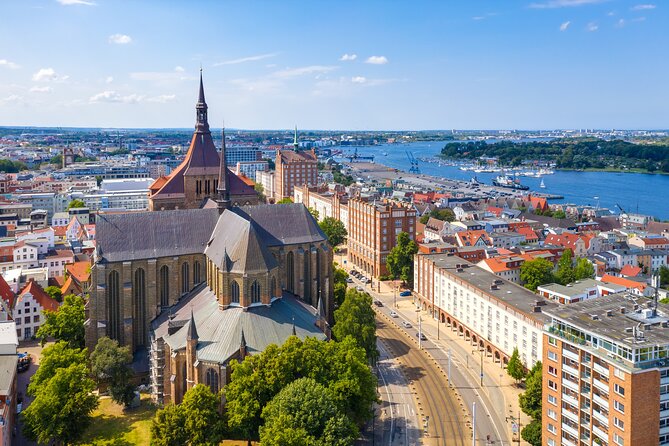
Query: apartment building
x=328 y=203
x=606 y=373
x=267 y=180
x=294 y=168
x=372 y=232
x=492 y=313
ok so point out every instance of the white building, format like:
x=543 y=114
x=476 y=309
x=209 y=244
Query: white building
x=494 y=314
x=28 y=311
x=266 y=179
x=578 y=291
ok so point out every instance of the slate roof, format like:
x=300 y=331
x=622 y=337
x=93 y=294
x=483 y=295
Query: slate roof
x=7 y=372
x=283 y=224
x=148 y=235
x=235 y=246
x=219 y=331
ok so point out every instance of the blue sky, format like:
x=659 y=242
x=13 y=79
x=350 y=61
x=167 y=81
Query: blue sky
x=342 y=64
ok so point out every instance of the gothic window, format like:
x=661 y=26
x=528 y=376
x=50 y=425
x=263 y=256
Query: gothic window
x=234 y=292
x=273 y=287
x=184 y=388
x=113 y=305
x=139 y=307
x=164 y=286
x=255 y=292
x=185 y=279
x=212 y=380
x=307 y=276
x=196 y=272
x=290 y=272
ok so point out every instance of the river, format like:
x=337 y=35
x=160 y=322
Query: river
x=645 y=193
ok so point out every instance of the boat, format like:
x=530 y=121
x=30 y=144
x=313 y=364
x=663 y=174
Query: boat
x=508 y=182
x=475 y=180
x=542 y=185
x=384 y=153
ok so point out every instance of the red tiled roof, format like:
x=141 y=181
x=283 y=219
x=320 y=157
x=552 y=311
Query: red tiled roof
x=81 y=271
x=6 y=292
x=630 y=271
x=627 y=283
x=655 y=240
x=39 y=295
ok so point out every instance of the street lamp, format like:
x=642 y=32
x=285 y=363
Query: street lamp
x=481 y=365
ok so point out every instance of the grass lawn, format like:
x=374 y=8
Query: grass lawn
x=112 y=426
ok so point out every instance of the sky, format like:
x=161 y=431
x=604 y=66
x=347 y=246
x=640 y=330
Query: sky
x=336 y=64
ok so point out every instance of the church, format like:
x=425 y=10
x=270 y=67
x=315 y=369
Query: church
x=195 y=180
x=190 y=289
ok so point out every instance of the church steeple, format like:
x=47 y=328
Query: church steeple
x=296 y=146
x=201 y=123
x=223 y=184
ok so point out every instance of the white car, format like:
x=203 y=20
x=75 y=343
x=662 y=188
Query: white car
x=405 y=324
x=393 y=314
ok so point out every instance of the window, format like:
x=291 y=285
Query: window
x=550 y=442
x=27 y=333
x=36 y=318
x=620 y=424
x=552 y=414
x=620 y=407
x=619 y=373
x=551 y=428
x=234 y=292
x=552 y=400
x=619 y=389
x=255 y=293
x=552 y=370
x=618 y=439
x=26 y=319
x=164 y=286
x=185 y=277
x=552 y=356
x=212 y=380
x=27 y=310
x=552 y=385
x=552 y=341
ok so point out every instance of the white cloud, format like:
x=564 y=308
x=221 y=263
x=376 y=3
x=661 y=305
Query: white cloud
x=550 y=4
x=163 y=98
x=565 y=25
x=179 y=69
x=478 y=17
x=377 y=60
x=639 y=19
x=75 y=2
x=37 y=89
x=109 y=80
x=120 y=39
x=113 y=96
x=48 y=75
x=643 y=7
x=8 y=64
x=301 y=71
x=592 y=27
x=13 y=98
x=358 y=79
x=348 y=57
x=620 y=23
x=246 y=59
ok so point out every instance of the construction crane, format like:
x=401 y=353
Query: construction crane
x=621 y=209
x=414 y=162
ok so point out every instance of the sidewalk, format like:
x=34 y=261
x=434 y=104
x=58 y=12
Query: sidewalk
x=498 y=386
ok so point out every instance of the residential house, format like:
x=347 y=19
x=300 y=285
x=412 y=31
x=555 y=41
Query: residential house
x=28 y=311
x=578 y=291
x=478 y=238
x=649 y=242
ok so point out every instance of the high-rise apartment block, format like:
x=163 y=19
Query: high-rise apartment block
x=294 y=168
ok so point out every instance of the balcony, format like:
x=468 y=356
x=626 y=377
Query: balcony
x=569 y=369
x=600 y=433
x=565 y=442
x=604 y=419
x=601 y=401
x=571 y=415
x=570 y=399
x=569 y=354
x=600 y=385
x=570 y=384
x=604 y=371
x=569 y=429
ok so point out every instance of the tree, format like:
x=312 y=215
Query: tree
x=201 y=420
x=302 y=413
x=54 y=357
x=356 y=318
x=530 y=400
x=560 y=214
x=583 y=269
x=340 y=286
x=443 y=214
x=314 y=213
x=400 y=260
x=532 y=433
x=167 y=427
x=55 y=293
x=535 y=273
x=61 y=410
x=110 y=364
x=341 y=367
x=514 y=367
x=565 y=270
x=334 y=230
x=260 y=189
x=76 y=203
x=66 y=323
x=664 y=275
x=286 y=200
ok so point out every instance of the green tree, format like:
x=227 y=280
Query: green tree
x=532 y=433
x=260 y=189
x=341 y=367
x=356 y=318
x=61 y=410
x=66 y=323
x=334 y=230
x=286 y=200
x=559 y=214
x=565 y=269
x=54 y=357
x=303 y=411
x=583 y=269
x=110 y=364
x=55 y=293
x=340 y=286
x=535 y=273
x=201 y=419
x=76 y=203
x=167 y=427
x=400 y=259
x=530 y=400
x=314 y=213
x=514 y=367
x=443 y=214
x=664 y=275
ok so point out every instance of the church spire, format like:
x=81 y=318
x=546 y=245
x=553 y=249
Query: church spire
x=201 y=124
x=192 y=335
x=295 y=143
x=223 y=184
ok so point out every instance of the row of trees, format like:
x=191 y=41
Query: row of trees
x=443 y=214
x=537 y=272
x=530 y=400
x=400 y=259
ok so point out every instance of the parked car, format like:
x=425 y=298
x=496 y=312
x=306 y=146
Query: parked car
x=378 y=303
x=405 y=293
x=406 y=324
x=349 y=280
x=421 y=336
x=359 y=288
x=24 y=362
x=393 y=314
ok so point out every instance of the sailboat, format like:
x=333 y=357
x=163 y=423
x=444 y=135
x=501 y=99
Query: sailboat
x=542 y=185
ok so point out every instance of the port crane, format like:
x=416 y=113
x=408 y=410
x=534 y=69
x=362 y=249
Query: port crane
x=414 y=162
x=355 y=157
